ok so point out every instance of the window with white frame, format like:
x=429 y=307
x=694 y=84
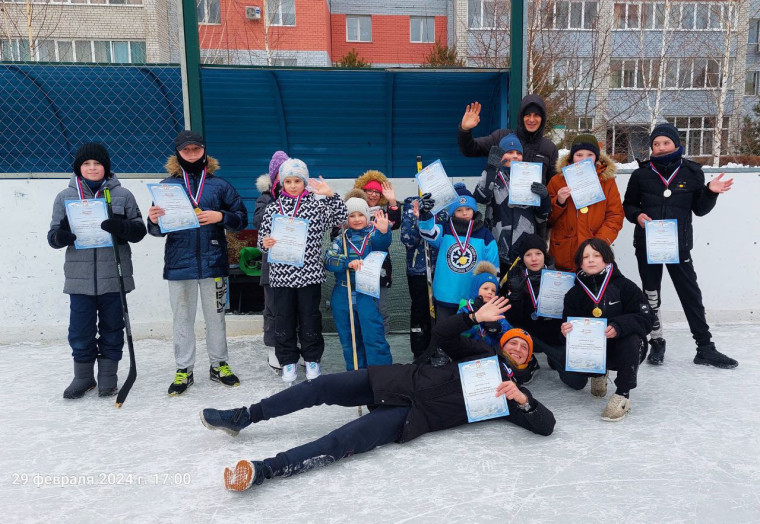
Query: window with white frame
x=702 y=16
x=281 y=12
x=358 y=28
x=572 y=73
x=570 y=14
x=422 y=29
x=487 y=14
x=697 y=132
x=581 y=123
x=751 y=83
x=679 y=73
x=285 y=62
x=754 y=31
x=209 y=12
x=101 y=51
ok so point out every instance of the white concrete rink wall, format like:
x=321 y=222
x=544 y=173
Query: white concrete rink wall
x=33 y=308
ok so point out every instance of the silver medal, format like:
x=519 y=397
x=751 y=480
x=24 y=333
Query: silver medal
x=667 y=193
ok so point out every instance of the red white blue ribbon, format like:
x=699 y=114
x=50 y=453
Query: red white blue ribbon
x=462 y=247
x=668 y=180
x=503 y=180
x=197 y=198
x=365 y=242
x=295 y=209
x=597 y=298
x=530 y=290
x=80 y=188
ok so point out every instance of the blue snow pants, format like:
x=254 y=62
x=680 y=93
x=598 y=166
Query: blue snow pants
x=372 y=348
x=93 y=315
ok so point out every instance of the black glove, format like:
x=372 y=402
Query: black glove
x=495 y=155
x=115 y=226
x=124 y=230
x=63 y=237
x=492 y=328
x=426 y=205
x=477 y=303
x=539 y=189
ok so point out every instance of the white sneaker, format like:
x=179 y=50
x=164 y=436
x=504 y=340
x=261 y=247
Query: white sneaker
x=289 y=373
x=617 y=408
x=313 y=370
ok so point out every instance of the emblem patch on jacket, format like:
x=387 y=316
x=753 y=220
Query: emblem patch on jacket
x=459 y=261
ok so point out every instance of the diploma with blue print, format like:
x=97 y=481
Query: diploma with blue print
x=586 y=345
x=368 y=277
x=551 y=295
x=433 y=179
x=662 y=241
x=172 y=198
x=583 y=182
x=480 y=379
x=85 y=217
x=290 y=234
x=521 y=177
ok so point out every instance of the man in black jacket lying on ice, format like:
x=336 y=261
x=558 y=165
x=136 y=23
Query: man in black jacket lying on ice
x=408 y=400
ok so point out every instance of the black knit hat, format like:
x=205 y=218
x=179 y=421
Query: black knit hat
x=529 y=242
x=92 y=151
x=667 y=130
x=187 y=138
x=587 y=142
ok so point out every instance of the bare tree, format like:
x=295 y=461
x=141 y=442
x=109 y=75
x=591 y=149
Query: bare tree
x=29 y=22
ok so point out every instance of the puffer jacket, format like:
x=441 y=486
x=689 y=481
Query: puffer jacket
x=202 y=252
x=410 y=237
x=93 y=271
x=569 y=227
x=336 y=262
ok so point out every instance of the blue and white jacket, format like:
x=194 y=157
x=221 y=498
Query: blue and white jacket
x=337 y=262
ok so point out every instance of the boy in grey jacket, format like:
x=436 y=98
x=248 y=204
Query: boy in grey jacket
x=96 y=325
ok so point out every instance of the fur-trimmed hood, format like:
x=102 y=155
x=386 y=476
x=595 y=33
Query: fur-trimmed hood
x=609 y=167
x=367 y=177
x=264 y=183
x=174 y=169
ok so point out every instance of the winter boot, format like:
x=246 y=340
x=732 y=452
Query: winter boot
x=707 y=355
x=599 y=385
x=84 y=380
x=657 y=352
x=224 y=375
x=617 y=408
x=231 y=421
x=183 y=379
x=245 y=474
x=107 y=378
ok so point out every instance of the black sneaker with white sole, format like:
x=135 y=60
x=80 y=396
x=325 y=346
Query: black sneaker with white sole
x=224 y=375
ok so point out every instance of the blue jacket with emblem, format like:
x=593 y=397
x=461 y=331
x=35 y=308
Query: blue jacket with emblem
x=202 y=252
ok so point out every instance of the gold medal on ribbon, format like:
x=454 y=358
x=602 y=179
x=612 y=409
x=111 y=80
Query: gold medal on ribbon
x=462 y=261
x=584 y=210
x=596 y=312
x=198 y=211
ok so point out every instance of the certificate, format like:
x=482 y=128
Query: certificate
x=480 y=379
x=433 y=179
x=586 y=345
x=368 y=277
x=551 y=296
x=521 y=176
x=290 y=234
x=584 y=183
x=172 y=198
x=662 y=241
x=85 y=217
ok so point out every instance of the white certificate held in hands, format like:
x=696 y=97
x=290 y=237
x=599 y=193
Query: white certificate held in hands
x=172 y=198
x=584 y=183
x=433 y=179
x=290 y=234
x=551 y=296
x=586 y=345
x=662 y=241
x=85 y=217
x=521 y=177
x=480 y=379
x=368 y=277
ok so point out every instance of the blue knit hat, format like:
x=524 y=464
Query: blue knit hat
x=465 y=200
x=511 y=143
x=484 y=272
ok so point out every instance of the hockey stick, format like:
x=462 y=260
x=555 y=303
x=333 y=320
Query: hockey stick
x=124 y=391
x=351 y=310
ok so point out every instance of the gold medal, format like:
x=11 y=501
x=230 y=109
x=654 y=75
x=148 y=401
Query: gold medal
x=584 y=210
x=596 y=312
x=462 y=261
x=198 y=211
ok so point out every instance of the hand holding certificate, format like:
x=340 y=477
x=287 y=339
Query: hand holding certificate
x=662 y=241
x=586 y=345
x=85 y=217
x=551 y=296
x=480 y=380
x=368 y=277
x=290 y=234
x=178 y=213
x=433 y=179
x=521 y=177
x=584 y=184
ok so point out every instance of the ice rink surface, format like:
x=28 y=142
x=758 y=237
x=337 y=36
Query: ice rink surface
x=688 y=452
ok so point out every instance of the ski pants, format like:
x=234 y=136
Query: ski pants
x=372 y=348
x=380 y=426
x=268 y=314
x=555 y=355
x=624 y=354
x=419 y=314
x=93 y=315
x=685 y=281
x=298 y=307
